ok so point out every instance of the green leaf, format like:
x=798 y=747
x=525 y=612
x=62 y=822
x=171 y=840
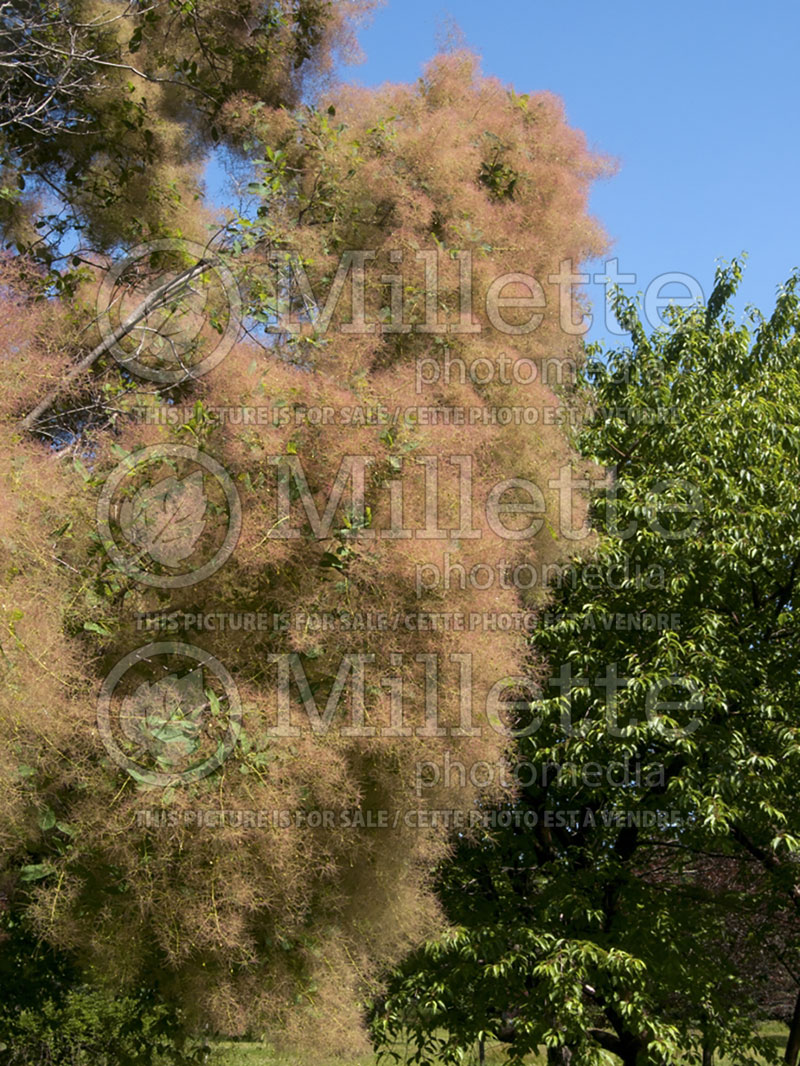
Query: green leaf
x=47 y=819
x=37 y=872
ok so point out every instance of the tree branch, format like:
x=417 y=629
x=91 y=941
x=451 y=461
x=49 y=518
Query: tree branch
x=157 y=298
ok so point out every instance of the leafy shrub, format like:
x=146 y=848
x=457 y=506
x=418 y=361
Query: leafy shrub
x=92 y=1027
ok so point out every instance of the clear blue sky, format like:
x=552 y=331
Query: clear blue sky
x=697 y=101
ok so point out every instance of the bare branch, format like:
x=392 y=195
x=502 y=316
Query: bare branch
x=157 y=298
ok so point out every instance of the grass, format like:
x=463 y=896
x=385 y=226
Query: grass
x=246 y=1054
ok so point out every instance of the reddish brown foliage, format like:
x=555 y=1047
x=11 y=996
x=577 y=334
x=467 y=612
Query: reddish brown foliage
x=456 y=163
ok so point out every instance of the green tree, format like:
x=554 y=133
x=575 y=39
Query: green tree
x=657 y=769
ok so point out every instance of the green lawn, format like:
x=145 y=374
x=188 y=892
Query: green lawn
x=241 y=1054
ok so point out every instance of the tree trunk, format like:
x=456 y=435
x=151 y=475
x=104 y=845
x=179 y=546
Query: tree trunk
x=630 y=1055
x=708 y=1054
x=793 y=1043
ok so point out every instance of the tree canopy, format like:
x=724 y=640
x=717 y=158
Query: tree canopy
x=108 y=108
x=641 y=895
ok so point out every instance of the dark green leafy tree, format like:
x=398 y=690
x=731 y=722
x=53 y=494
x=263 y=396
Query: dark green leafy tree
x=649 y=857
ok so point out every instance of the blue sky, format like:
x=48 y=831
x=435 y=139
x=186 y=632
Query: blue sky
x=696 y=101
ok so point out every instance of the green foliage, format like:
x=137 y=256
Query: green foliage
x=50 y=1014
x=652 y=915
x=95 y=1027
x=708 y=491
